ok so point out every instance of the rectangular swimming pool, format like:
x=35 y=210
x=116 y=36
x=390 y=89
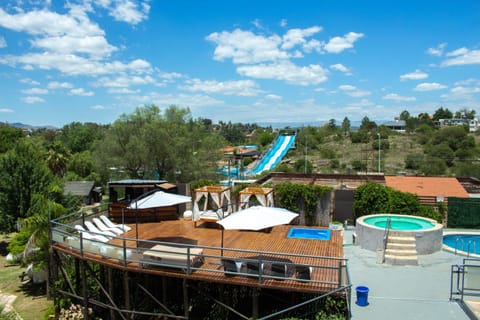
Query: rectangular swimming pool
x=309 y=233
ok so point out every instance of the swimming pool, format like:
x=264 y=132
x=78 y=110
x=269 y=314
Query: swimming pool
x=370 y=231
x=462 y=243
x=399 y=222
x=309 y=233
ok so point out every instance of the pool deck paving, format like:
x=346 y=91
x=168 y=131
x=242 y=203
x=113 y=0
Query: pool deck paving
x=402 y=292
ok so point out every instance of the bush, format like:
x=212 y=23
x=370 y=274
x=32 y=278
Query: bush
x=430 y=212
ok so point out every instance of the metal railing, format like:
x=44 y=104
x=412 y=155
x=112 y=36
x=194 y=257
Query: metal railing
x=465 y=279
x=385 y=237
x=190 y=260
x=470 y=244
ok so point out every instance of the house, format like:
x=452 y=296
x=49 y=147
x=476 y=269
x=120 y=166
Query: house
x=472 y=124
x=429 y=190
x=84 y=189
x=396 y=125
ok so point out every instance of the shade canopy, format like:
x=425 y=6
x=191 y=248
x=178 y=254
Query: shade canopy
x=159 y=199
x=257 y=218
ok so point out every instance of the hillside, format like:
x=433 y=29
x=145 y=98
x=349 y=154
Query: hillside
x=346 y=153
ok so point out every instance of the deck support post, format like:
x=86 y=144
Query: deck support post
x=126 y=289
x=255 y=295
x=83 y=270
x=110 y=289
x=186 y=307
x=164 y=292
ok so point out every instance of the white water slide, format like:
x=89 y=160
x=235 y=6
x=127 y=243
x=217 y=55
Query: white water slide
x=275 y=154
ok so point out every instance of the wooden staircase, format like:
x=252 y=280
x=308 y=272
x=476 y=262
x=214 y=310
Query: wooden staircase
x=401 y=250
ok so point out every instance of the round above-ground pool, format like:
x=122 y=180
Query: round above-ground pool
x=462 y=242
x=370 y=231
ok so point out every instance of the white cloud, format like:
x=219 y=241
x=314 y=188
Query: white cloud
x=429 y=86
x=98 y=107
x=273 y=97
x=81 y=92
x=32 y=99
x=462 y=56
x=438 y=51
x=246 y=47
x=295 y=37
x=76 y=65
x=461 y=92
x=122 y=91
x=6 y=110
x=283 y=23
x=124 y=81
x=286 y=71
x=339 y=44
x=59 y=85
x=3 y=43
x=397 y=97
x=129 y=11
x=95 y=46
x=239 y=88
x=35 y=91
x=416 y=75
x=353 y=91
x=30 y=81
x=340 y=67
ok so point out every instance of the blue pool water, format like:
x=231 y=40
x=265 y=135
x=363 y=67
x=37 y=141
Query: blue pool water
x=307 y=233
x=399 y=222
x=469 y=243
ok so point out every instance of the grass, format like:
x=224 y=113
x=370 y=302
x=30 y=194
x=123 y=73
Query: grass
x=31 y=302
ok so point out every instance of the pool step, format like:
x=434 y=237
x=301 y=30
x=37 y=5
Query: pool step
x=401 y=250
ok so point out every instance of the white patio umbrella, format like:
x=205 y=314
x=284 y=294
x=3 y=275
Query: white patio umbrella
x=154 y=200
x=158 y=199
x=256 y=218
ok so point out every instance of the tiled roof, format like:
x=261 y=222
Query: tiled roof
x=78 y=188
x=427 y=186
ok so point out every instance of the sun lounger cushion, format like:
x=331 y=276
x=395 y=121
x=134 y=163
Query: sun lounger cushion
x=171 y=256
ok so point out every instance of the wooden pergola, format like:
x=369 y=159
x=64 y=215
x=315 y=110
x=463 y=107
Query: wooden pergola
x=264 y=196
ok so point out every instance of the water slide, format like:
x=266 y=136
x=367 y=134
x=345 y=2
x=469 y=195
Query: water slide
x=275 y=154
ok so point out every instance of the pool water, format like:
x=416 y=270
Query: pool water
x=308 y=233
x=399 y=222
x=469 y=243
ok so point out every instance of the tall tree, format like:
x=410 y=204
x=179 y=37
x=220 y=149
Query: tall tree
x=346 y=126
x=24 y=175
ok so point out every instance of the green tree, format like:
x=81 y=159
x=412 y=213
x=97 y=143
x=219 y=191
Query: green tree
x=172 y=146
x=79 y=137
x=441 y=113
x=24 y=175
x=9 y=136
x=57 y=158
x=346 y=126
x=414 y=161
x=370 y=198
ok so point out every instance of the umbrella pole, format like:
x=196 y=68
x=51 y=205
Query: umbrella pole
x=136 y=225
x=221 y=248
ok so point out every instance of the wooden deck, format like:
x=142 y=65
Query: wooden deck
x=267 y=246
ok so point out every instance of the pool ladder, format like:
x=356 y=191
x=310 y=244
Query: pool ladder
x=469 y=244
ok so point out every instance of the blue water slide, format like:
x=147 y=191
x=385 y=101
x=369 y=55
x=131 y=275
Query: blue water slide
x=275 y=154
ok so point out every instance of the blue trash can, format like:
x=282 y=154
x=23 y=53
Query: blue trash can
x=362 y=296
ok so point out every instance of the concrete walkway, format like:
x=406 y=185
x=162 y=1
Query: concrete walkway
x=402 y=292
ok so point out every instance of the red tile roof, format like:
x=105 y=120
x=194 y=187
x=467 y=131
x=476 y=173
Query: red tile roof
x=427 y=186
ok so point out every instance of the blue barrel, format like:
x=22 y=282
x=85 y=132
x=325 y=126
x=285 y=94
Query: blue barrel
x=362 y=296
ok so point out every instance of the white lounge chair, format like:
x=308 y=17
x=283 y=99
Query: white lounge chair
x=91 y=227
x=103 y=227
x=110 y=224
x=89 y=236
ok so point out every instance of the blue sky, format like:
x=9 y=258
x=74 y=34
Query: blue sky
x=237 y=60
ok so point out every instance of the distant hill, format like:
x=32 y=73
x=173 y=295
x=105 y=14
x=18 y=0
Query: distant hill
x=27 y=126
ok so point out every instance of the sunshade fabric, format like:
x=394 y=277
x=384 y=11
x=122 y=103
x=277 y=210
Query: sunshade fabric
x=257 y=218
x=159 y=199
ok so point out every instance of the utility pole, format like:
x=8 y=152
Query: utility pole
x=379 y=157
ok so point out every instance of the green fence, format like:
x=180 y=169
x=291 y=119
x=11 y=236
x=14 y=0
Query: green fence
x=463 y=213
